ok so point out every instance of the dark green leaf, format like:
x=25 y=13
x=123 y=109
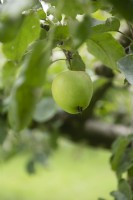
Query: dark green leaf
x=118 y=149
x=80 y=31
x=61 y=33
x=43 y=34
x=124 y=191
x=9 y=29
x=125 y=64
x=118 y=195
x=3 y=130
x=126 y=161
x=122 y=159
x=125 y=8
x=45 y=110
x=106 y=48
x=111 y=24
x=29 y=31
x=125 y=188
x=77 y=63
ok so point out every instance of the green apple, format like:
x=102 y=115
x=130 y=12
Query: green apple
x=72 y=91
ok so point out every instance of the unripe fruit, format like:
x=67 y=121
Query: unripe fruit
x=72 y=91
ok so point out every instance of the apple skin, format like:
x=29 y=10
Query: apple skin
x=72 y=91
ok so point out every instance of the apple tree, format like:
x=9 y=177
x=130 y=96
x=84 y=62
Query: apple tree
x=66 y=68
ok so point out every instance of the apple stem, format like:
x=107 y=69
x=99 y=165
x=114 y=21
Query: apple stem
x=68 y=55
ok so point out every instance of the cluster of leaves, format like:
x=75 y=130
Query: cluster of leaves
x=122 y=164
x=28 y=47
x=29 y=32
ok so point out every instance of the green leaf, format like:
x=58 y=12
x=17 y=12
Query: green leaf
x=45 y=110
x=106 y=48
x=95 y=5
x=61 y=32
x=29 y=31
x=56 y=15
x=41 y=14
x=22 y=103
x=120 y=160
x=8 y=74
x=125 y=8
x=35 y=64
x=11 y=19
x=27 y=87
x=69 y=8
x=124 y=191
x=118 y=195
x=111 y=24
x=118 y=149
x=80 y=31
x=67 y=44
x=9 y=29
x=43 y=34
x=125 y=188
x=125 y=65
x=77 y=63
x=126 y=161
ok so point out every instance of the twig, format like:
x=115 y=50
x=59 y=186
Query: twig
x=125 y=36
x=58 y=60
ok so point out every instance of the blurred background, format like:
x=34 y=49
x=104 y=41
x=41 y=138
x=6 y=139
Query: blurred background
x=71 y=172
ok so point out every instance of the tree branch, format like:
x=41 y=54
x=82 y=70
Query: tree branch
x=94 y=132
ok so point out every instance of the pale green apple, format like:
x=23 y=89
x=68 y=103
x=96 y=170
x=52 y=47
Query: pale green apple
x=72 y=91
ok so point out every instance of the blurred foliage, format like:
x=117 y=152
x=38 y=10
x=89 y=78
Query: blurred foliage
x=115 y=107
x=38 y=40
